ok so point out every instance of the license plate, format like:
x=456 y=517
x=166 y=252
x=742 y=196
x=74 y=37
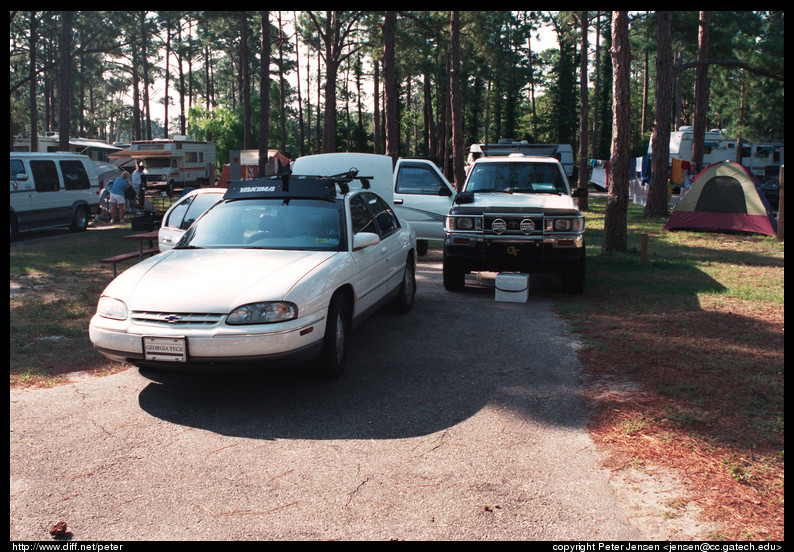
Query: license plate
x=169 y=349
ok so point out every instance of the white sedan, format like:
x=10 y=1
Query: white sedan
x=184 y=212
x=274 y=272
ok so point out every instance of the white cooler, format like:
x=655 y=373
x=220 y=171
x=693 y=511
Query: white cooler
x=512 y=287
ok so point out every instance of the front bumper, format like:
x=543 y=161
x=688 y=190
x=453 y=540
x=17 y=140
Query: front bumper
x=475 y=252
x=221 y=346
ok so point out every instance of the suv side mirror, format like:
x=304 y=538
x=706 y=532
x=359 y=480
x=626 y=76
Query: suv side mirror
x=464 y=197
x=580 y=192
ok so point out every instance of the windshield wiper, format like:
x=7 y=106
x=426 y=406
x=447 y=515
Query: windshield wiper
x=187 y=247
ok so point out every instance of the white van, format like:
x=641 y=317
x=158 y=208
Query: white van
x=50 y=190
x=415 y=188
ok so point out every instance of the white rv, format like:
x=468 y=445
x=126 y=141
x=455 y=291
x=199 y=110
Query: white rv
x=762 y=159
x=506 y=146
x=177 y=163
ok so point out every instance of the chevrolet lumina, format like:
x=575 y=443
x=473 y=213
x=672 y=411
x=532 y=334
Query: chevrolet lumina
x=515 y=213
x=282 y=269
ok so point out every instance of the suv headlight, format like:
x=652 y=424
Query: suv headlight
x=464 y=224
x=263 y=313
x=570 y=224
x=111 y=308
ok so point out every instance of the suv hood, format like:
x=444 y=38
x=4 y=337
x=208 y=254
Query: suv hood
x=538 y=202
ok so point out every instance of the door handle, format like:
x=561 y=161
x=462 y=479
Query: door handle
x=398 y=201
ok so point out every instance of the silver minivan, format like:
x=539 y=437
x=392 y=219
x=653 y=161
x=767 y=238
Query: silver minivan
x=51 y=189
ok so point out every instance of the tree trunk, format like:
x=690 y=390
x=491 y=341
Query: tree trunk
x=245 y=92
x=390 y=87
x=34 y=123
x=264 y=91
x=65 y=80
x=281 y=85
x=455 y=101
x=701 y=92
x=656 y=206
x=583 y=93
x=302 y=148
x=615 y=227
x=376 y=108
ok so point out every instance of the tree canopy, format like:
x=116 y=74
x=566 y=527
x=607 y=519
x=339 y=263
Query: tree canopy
x=201 y=70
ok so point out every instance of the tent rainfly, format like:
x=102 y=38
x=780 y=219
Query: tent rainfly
x=725 y=197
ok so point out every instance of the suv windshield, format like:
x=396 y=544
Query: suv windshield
x=304 y=224
x=516 y=177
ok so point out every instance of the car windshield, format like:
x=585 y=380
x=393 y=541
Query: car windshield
x=513 y=177
x=305 y=224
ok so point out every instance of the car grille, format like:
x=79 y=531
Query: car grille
x=514 y=224
x=177 y=319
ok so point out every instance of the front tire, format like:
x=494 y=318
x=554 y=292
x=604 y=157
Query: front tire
x=404 y=301
x=337 y=339
x=454 y=275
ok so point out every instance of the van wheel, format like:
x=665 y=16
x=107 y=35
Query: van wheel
x=80 y=220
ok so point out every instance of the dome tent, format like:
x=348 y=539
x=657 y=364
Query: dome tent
x=725 y=197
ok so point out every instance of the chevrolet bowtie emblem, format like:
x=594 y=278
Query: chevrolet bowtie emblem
x=171 y=318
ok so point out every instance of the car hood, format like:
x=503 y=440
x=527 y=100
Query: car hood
x=488 y=201
x=212 y=280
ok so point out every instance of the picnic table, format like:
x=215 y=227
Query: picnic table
x=142 y=237
x=151 y=237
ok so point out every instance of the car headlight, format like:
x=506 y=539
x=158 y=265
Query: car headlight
x=109 y=307
x=263 y=313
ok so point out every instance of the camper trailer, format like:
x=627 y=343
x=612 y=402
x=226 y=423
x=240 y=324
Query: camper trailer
x=176 y=163
x=506 y=146
x=762 y=159
x=96 y=149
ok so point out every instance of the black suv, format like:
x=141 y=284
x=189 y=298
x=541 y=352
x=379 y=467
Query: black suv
x=515 y=213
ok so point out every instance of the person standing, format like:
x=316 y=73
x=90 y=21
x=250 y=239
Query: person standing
x=137 y=184
x=117 y=199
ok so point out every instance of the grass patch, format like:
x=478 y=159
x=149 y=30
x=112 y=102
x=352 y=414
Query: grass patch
x=55 y=284
x=700 y=326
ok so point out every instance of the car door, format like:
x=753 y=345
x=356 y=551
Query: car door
x=394 y=242
x=371 y=282
x=422 y=196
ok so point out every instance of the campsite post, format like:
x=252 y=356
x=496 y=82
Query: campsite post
x=780 y=208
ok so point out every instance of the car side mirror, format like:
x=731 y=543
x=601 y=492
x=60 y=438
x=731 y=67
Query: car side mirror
x=365 y=239
x=580 y=192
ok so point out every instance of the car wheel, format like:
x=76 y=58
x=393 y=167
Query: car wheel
x=421 y=247
x=336 y=340
x=454 y=275
x=404 y=301
x=80 y=220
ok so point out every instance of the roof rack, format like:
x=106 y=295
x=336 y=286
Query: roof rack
x=288 y=186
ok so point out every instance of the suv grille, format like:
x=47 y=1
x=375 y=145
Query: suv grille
x=514 y=224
